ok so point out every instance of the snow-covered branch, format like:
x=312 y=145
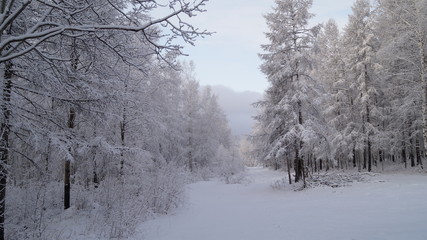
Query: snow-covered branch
x=16 y=45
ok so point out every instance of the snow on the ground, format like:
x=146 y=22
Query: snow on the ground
x=386 y=208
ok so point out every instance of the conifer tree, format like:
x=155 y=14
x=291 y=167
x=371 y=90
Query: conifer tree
x=288 y=108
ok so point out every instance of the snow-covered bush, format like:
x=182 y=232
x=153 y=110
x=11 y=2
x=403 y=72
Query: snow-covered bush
x=338 y=179
x=228 y=164
x=30 y=208
x=109 y=210
x=165 y=189
x=282 y=184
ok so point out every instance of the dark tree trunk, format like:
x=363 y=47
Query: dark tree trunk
x=190 y=154
x=297 y=164
x=123 y=129
x=4 y=142
x=403 y=154
x=288 y=163
x=316 y=169
x=359 y=161
x=354 y=157
x=304 y=173
x=418 y=153
x=122 y=138
x=67 y=184
x=364 y=159
x=95 y=179
x=67 y=165
x=71 y=124
x=423 y=72
x=48 y=156
x=369 y=155
x=411 y=152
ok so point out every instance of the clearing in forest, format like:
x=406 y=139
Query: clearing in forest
x=389 y=206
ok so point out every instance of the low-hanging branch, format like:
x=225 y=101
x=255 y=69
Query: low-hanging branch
x=13 y=46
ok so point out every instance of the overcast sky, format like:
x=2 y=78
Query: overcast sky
x=229 y=57
x=238 y=108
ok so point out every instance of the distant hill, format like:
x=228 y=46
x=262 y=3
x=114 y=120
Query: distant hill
x=238 y=108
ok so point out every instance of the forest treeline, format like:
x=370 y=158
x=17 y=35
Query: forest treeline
x=99 y=118
x=348 y=99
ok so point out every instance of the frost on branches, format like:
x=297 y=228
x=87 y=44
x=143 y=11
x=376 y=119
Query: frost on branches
x=288 y=111
x=93 y=114
x=351 y=99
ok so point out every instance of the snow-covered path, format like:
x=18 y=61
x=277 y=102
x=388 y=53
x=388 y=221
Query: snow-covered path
x=393 y=208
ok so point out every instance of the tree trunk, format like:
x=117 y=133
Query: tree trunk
x=423 y=60
x=288 y=163
x=95 y=179
x=67 y=164
x=123 y=129
x=49 y=143
x=304 y=173
x=411 y=152
x=122 y=138
x=316 y=169
x=67 y=184
x=4 y=142
x=403 y=153
x=418 y=152
x=354 y=157
x=369 y=155
x=365 y=162
x=368 y=121
x=190 y=154
x=297 y=164
x=359 y=161
x=71 y=125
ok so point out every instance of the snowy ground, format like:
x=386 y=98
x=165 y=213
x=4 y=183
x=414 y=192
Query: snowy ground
x=388 y=207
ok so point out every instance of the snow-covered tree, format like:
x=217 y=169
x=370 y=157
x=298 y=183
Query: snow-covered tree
x=288 y=111
x=54 y=71
x=402 y=55
x=360 y=45
x=331 y=73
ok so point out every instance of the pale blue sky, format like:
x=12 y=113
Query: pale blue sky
x=229 y=57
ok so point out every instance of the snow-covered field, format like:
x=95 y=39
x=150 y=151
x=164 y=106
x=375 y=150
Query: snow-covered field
x=389 y=206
